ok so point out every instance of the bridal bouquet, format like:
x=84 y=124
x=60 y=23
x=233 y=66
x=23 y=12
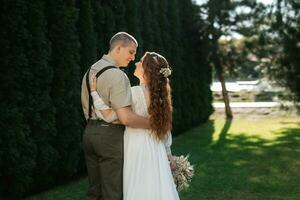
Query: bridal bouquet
x=183 y=173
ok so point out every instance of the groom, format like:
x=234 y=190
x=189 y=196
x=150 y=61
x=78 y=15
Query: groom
x=103 y=142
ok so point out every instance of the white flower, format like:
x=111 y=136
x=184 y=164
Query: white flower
x=165 y=71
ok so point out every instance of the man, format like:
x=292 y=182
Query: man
x=103 y=142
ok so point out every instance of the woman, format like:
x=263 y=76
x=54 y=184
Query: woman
x=147 y=172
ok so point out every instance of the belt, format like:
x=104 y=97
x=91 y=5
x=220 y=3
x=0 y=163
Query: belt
x=97 y=122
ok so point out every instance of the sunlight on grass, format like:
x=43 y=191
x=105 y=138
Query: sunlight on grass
x=253 y=158
x=257 y=127
x=246 y=158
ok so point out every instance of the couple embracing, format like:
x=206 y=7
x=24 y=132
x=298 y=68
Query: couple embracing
x=127 y=138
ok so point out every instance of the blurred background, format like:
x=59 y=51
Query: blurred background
x=228 y=57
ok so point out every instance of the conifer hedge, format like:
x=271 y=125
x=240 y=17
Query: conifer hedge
x=46 y=47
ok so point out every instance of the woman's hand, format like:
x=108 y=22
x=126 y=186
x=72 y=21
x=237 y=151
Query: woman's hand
x=172 y=162
x=93 y=82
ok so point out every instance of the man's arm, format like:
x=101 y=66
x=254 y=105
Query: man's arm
x=129 y=118
x=120 y=99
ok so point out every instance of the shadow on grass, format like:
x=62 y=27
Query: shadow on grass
x=224 y=131
x=236 y=166
x=240 y=166
x=199 y=137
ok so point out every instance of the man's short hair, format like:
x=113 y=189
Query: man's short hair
x=121 y=37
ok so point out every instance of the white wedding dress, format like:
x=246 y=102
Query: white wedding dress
x=147 y=174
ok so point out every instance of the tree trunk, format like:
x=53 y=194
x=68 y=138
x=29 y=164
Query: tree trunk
x=219 y=69
x=225 y=96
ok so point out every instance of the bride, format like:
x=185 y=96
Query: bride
x=147 y=155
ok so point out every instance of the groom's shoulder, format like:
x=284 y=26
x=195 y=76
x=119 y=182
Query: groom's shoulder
x=101 y=64
x=114 y=75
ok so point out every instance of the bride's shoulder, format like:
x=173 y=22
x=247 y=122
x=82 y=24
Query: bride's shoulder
x=136 y=90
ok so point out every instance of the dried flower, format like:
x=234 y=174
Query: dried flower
x=165 y=71
x=183 y=173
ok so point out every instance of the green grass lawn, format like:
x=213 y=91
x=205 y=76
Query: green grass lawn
x=246 y=158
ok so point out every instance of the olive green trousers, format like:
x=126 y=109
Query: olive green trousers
x=103 y=145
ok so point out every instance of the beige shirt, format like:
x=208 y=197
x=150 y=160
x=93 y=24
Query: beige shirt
x=113 y=86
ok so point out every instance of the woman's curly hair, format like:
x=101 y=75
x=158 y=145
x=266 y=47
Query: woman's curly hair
x=160 y=108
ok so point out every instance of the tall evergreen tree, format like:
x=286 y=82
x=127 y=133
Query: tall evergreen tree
x=118 y=9
x=45 y=50
x=188 y=58
x=145 y=23
x=287 y=25
x=164 y=25
x=273 y=37
x=65 y=91
x=176 y=61
x=131 y=16
x=40 y=112
x=87 y=35
x=18 y=151
x=155 y=27
x=219 y=21
x=109 y=19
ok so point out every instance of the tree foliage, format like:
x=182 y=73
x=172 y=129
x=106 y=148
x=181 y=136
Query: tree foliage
x=46 y=48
